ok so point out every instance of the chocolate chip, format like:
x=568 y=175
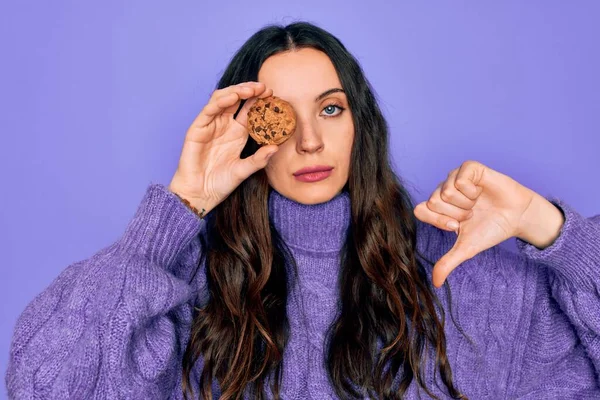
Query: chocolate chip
x=268 y=105
x=267 y=136
x=276 y=109
x=284 y=133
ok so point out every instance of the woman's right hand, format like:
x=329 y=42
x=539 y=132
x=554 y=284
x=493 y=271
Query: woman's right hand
x=210 y=167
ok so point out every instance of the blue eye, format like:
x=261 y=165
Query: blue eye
x=331 y=109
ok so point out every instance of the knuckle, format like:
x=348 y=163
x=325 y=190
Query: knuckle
x=419 y=208
x=432 y=202
x=446 y=195
x=416 y=211
x=461 y=182
x=256 y=160
x=216 y=93
x=205 y=110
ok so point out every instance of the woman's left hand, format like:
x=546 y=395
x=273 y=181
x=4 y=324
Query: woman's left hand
x=489 y=208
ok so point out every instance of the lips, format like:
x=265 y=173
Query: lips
x=314 y=168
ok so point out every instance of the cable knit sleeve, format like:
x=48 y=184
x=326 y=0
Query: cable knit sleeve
x=561 y=355
x=114 y=325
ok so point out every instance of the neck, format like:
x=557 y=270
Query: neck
x=311 y=227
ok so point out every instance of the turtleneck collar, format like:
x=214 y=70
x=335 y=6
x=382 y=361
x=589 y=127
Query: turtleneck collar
x=314 y=227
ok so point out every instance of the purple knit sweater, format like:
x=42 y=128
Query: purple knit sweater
x=114 y=326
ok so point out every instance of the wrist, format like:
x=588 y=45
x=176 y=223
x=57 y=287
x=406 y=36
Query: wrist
x=200 y=213
x=197 y=206
x=542 y=223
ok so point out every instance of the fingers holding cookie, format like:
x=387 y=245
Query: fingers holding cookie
x=269 y=120
x=242 y=116
x=226 y=100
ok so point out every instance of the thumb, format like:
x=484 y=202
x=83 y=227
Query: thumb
x=256 y=161
x=458 y=254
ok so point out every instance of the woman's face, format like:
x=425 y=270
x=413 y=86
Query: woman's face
x=324 y=132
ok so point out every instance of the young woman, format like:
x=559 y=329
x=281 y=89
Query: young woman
x=244 y=279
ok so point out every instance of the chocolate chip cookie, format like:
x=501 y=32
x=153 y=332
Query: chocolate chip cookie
x=271 y=121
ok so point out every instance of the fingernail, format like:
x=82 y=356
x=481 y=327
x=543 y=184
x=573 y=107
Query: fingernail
x=452 y=225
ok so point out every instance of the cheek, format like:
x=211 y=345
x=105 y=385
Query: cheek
x=349 y=140
x=272 y=166
x=349 y=130
x=281 y=158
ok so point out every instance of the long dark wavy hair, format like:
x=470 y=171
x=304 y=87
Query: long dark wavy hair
x=243 y=329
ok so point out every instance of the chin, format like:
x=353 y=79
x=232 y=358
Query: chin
x=314 y=195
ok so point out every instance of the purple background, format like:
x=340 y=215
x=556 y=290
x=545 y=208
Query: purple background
x=96 y=98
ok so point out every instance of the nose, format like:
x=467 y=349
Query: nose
x=308 y=137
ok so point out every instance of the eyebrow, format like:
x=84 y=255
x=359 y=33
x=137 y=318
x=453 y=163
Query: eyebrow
x=328 y=92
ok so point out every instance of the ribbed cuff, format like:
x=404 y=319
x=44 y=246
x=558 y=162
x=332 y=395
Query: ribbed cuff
x=161 y=227
x=575 y=254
